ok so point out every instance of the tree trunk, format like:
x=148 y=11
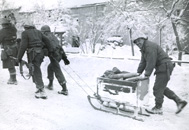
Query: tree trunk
x=177 y=42
x=131 y=42
x=185 y=30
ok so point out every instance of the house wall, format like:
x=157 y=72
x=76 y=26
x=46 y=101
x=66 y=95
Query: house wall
x=96 y=11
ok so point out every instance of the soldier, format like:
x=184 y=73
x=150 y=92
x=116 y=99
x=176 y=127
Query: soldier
x=33 y=41
x=154 y=57
x=9 y=48
x=55 y=58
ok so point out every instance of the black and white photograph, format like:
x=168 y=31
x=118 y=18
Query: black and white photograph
x=94 y=65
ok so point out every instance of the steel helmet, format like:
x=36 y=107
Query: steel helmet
x=45 y=28
x=5 y=21
x=29 y=24
x=138 y=35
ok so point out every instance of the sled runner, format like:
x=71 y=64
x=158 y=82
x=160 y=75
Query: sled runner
x=121 y=97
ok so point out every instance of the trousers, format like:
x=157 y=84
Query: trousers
x=54 y=69
x=37 y=74
x=160 y=88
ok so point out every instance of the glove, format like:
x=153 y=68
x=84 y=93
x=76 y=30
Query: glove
x=18 y=40
x=66 y=61
x=18 y=60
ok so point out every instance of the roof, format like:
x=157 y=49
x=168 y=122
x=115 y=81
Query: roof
x=31 y=5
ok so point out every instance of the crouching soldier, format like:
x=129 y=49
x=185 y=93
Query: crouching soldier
x=33 y=41
x=9 y=48
x=55 y=58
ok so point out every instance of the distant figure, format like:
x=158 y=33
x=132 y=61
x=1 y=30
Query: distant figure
x=55 y=58
x=9 y=48
x=154 y=57
x=75 y=41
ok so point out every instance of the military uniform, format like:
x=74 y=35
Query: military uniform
x=33 y=41
x=153 y=56
x=9 y=48
x=55 y=58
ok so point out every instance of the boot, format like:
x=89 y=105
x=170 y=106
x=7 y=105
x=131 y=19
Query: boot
x=180 y=106
x=64 y=90
x=155 y=110
x=50 y=85
x=40 y=93
x=37 y=93
x=43 y=94
x=12 y=80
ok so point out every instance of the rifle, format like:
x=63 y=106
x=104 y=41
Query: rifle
x=28 y=65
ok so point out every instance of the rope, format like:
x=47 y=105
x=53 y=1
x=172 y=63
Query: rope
x=81 y=79
x=76 y=81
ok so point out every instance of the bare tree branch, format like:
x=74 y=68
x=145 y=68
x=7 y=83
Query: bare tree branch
x=173 y=6
x=150 y=4
x=181 y=14
x=161 y=21
x=126 y=15
x=162 y=7
x=182 y=19
x=169 y=13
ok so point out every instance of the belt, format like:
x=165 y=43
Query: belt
x=36 y=45
x=10 y=45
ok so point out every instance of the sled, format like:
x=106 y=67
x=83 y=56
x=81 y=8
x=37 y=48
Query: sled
x=121 y=97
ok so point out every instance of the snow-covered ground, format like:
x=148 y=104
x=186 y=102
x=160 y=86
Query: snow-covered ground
x=20 y=110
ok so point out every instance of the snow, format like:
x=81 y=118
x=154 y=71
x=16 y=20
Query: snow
x=115 y=39
x=20 y=110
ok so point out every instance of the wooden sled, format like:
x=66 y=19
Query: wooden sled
x=121 y=97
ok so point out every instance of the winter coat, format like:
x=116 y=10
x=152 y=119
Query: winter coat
x=33 y=39
x=8 y=40
x=153 y=56
x=58 y=50
x=53 y=39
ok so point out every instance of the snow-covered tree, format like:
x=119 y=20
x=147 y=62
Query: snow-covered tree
x=59 y=19
x=153 y=18
x=3 y=5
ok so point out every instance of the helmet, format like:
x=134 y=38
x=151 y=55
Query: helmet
x=29 y=24
x=5 y=21
x=45 y=28
x=138 y=35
